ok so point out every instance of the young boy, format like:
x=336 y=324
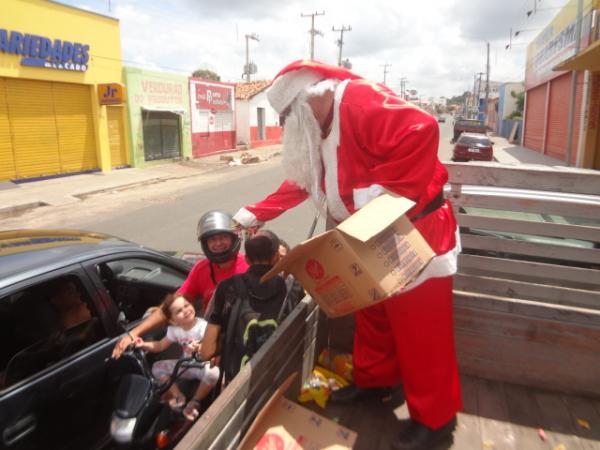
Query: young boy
x=188 y=331
x=244 y=311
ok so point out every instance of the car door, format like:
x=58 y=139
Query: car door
x=52 y=362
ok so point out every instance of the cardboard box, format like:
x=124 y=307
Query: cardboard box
x=285 y=425
x=365 y=259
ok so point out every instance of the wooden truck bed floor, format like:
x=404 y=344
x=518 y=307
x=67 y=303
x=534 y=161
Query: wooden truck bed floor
x=496 y=416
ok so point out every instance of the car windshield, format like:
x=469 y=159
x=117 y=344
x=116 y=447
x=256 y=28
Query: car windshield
x=474 y=140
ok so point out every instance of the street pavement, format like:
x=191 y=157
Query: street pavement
x=16 y=198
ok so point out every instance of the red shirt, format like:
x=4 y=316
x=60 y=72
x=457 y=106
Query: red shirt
x=200 y=284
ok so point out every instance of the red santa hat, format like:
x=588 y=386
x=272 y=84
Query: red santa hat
x=295 y=77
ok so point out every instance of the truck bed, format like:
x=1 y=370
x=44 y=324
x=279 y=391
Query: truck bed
x=496 y=415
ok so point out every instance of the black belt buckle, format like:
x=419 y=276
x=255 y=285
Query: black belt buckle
x=435 y=203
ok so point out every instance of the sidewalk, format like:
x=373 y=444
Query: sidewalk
x=16 y=198
x=507 y=153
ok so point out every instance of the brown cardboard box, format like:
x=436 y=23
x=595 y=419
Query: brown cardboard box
x=285 y=425
x=365 y=259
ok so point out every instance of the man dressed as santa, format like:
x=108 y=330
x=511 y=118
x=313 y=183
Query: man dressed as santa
x=347 y=140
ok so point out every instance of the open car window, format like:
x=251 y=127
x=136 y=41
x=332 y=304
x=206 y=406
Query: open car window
x=43 y=325
x=136 y=284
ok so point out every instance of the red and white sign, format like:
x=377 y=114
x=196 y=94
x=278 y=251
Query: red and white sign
x=210 y=96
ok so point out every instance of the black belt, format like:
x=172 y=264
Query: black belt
x=437 y=202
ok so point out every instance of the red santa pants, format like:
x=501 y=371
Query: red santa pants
x=409 y=339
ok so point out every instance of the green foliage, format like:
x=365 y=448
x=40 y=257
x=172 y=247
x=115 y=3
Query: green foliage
x=459 y=99
x=206 y=74
x=520 y=100
x=515 y=115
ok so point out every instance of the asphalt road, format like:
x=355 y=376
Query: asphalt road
x=164 y=215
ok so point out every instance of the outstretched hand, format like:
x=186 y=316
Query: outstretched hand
x=125 y=341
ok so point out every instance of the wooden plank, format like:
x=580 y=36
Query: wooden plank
x=585 y=419
x=556 y=421
x=524 y=413
x=509 y=247
x=558 y=313
x=588 y=210
x=530 y=270
x=531 y=227
x=468 y=432
x=494 y=419
x=528 y=291
x=554 y=179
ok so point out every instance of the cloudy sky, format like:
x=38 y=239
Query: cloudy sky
x=437 y=45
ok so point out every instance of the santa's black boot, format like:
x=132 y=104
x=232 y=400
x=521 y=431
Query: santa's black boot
x=417 y=436
x=353 y=393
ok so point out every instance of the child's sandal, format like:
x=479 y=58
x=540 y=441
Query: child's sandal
x=192 y=410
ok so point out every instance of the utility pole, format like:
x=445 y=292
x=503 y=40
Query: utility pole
x=312 y=30
x=474 y=100
x=249 y=68
x=385 y=71
x=487 y=84
x=572 y=103
x=478 y=93
x=340 y=41
x=403 y=87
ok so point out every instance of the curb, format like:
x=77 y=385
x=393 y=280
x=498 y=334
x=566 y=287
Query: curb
x=17 y=210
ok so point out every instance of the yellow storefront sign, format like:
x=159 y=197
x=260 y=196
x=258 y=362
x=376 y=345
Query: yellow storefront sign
x=111 y=94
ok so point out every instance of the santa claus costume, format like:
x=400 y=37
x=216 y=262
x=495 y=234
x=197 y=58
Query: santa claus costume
x=379 y=143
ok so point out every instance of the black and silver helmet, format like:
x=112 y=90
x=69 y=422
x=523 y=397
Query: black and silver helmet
x=217 y=222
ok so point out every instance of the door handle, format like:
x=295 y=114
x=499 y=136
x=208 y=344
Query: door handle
x=20 y=429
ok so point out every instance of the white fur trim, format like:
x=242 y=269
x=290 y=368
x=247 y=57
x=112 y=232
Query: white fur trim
x=335 y=206
x=439 y=267
x=246 y=219
x=362 y=196
x=286 y=87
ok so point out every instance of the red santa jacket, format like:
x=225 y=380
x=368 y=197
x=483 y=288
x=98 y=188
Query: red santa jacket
x=378 y=143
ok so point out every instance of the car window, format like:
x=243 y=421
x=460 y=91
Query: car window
x=136 y=284
x=43 y=325
x=473 y=140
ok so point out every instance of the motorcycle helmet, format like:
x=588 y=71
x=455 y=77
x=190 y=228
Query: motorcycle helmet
x=217 y=222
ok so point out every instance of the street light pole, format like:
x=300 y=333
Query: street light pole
x=247 y=69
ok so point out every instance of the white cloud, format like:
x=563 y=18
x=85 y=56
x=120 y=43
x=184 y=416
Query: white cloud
x=437 y=45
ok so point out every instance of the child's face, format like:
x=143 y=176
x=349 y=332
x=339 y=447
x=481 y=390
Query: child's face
x=182 y=312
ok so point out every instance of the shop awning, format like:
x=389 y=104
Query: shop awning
x=587 y=59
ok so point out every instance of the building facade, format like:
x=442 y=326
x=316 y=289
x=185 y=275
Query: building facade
x=548 y=120
x=61 y=93
x=258 y=124
x=213 y=116
x=507 y=109
x=158 y=108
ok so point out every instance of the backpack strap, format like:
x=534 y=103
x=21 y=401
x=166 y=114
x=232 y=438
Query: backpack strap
x=240 y=288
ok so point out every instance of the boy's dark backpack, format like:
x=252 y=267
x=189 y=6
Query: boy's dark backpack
x=247 y=329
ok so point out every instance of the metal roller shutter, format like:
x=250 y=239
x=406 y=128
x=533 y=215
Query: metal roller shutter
x=558 y=117
x=534 y=118
x=75 y=127
x=7 y=158
x=116 y=136
x=33 y=127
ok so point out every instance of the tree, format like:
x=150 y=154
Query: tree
x=520 y=96
x=206 y=74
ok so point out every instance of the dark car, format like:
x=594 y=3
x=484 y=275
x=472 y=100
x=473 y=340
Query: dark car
x=65 y=298
x=473 y=146
x=467 y=126
x=441 y=119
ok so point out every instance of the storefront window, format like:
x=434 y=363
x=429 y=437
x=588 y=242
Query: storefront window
x=162 y=135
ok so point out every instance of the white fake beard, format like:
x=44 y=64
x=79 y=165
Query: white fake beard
x=302 y=150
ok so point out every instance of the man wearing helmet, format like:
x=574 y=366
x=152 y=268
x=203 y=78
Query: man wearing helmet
x=221 y=244
x=347 y=140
